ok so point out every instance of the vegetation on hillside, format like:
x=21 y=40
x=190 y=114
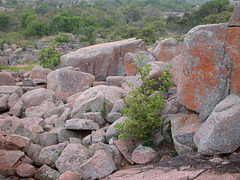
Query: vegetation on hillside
x=107 y=21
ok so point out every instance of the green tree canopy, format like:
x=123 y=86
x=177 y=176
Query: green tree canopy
x=37 y=29
x=4 y=21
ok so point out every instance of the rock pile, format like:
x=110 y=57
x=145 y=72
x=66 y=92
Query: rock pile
x=60 y=124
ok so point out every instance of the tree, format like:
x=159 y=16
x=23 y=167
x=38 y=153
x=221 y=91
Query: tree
x=4 y=21
x=133 y=12
x=49 y=57
x=108 y=22
x=37 y=29
x=27 y=18
x=144 y=106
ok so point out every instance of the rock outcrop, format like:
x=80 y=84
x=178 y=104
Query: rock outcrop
x=101 y=60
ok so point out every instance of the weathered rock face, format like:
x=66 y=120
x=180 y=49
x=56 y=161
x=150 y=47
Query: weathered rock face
x=94 y=99
x=204 y=74
x=6 y=79
x=233 y=49
x=220 y=133
x=101 y=60
x=166 y=50
x=67 y=82
x=131 y=58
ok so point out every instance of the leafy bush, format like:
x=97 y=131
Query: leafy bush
x=144 y=106
x=49 y=57
x=62 y=38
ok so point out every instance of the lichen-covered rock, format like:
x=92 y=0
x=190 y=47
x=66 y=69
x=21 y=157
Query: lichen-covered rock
x=166 y=49
x=99 y=166
x=72 y=157
x=233 y=50
x=6 y=79
x=205 y=71
x=97 y=99
x=69 y=176
x=131 y=58
x=3 y=103
x=94 y=116
x=101 y=60
x=50 y=154
x=220 y=132
x=66 y=82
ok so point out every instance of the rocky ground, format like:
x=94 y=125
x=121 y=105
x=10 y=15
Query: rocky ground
x=60 y=124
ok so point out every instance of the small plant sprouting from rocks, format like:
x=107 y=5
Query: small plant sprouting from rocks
x=104 y=110
x=144 y=106
x=59 y=153
x=88 y=110
x=49 y=57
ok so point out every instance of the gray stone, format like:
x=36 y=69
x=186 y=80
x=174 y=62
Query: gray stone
x=72 y=157
x=46 y=139
x=12 y=100
x=114 y=81
x=119 y=105
x=220 y=132
x=17 y=109
x=100 y=146
x=28 y=82
x=81 y=124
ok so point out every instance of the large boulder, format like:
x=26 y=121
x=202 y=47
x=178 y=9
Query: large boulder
x=205 y=71
x=101 y=60
x=235 y=19
x=72 y=157
x=66 y=82
x=39 y=72
x=220 y=132
x=6 y=79
x=97 y=99
x=37 y=96
x=99 y=166
x=131 y=58
x=166 y=49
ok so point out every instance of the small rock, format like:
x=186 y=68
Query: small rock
x=143 y=155
x=25 y=170
x=6 y=79
x=87 y=141
x=69 y=176
x=46 y=173
x=98 y=136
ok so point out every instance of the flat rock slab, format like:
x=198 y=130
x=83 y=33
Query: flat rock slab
x=81 y=124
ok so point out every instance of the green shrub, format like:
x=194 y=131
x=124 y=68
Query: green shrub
x=49 y=57
x=62 y=38
x=144 y=106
